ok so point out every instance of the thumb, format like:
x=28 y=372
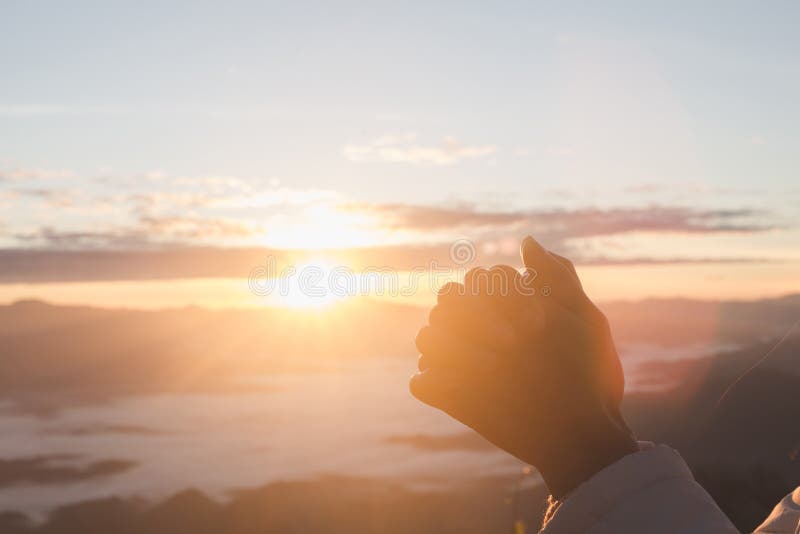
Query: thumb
x=535 y=259
x=533 y=256
x=547 y=269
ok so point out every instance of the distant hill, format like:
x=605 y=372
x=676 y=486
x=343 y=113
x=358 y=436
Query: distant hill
x=674 y=322
x=51 y=356
x=744 y=447
x=335 y=505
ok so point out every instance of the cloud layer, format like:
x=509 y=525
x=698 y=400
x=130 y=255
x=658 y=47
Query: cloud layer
x=564 y=224
x=57 y=211
x=406 y=149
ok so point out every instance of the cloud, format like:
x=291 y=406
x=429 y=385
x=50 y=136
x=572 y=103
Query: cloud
x=147 y=232
x=158 y=210
x=147 y=209
x=687 y=189
x=55 y=198
x=571 y=231
x=463 y=441
x=212 y=211
x=80 y=239
x=51 y=469
x=647 y=188
x=405 y=149
x=425 y=218
x=190 y=228
x=35 y=174
x=563 y=224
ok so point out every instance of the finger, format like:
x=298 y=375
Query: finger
x=433 y=387
x=501 y=289
x=423 y=363
x=461 y=312
x=488 y=286
x=450 y=292
x=454 y=395
x=442 y=348
x=459 y=397
x=473 y=281
x=475 y=321
x=429 y=361
x=531 y=319
x=566 y=287
x=496 y=281
x=568 y=264
x=544 y=270
x=512 y=293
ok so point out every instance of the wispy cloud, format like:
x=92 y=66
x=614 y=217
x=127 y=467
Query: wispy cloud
x=135 y=263
x=406 y=149
x=155 y=210
x=563 y=223
x=687 y=189
x=51 y=197
x=20 y=174
x=145 y=233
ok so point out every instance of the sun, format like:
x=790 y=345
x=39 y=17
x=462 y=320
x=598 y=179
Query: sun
x=324 y=227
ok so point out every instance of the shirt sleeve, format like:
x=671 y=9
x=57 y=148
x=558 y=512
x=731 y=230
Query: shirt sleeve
x=785 y=517
x=650 y=491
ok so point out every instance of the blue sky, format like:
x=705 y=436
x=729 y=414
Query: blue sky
x=241 y=123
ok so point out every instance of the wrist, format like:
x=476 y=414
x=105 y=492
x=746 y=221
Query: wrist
x=582 y=452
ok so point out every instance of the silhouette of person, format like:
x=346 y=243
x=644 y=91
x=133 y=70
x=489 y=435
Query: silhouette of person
x=537 y=374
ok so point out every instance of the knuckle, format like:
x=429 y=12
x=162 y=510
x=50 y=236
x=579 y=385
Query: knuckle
x=450 y=293
x=473 y=278
x=450 y=288
x=422 y=337
x=435 y=315
x=440 y=317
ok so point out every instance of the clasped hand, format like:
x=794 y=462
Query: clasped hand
x=533 y=371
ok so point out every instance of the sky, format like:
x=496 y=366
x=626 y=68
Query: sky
x=659 y=141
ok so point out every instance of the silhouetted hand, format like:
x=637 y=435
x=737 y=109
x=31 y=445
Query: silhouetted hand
x=527 y=360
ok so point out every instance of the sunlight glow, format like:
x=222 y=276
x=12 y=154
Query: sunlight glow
x=306 y=287
x=325 y=227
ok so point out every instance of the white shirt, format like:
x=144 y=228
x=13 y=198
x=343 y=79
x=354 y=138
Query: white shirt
x=785 y=517
x=653 y=491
